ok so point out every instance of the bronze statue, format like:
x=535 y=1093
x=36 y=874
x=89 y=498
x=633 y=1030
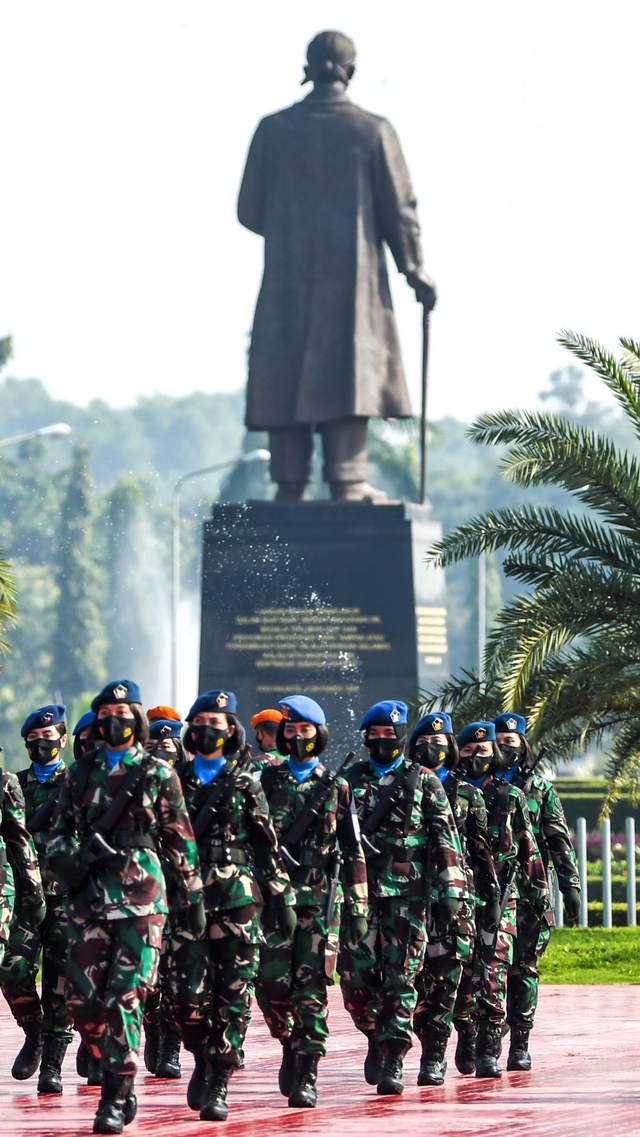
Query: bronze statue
x=327 y=187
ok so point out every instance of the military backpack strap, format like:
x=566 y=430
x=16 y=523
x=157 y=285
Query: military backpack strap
x=84 y=768
x=354 y=773
x=23 y=777
x=502 y=801
x=269 y=778
x=411 y=786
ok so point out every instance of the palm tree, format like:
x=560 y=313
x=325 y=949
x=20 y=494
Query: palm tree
x=7 y=602
x=567 y=651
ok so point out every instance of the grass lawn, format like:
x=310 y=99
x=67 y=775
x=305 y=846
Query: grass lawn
x=592 y=955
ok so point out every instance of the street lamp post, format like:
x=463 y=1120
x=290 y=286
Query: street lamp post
x=251 y=457
x=55 y=430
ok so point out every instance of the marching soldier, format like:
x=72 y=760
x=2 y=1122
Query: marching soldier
x=480 y=1011
x=44 y=1019
x=81 y=732
x=124 y=806
x=533 y=928
x=450 y=948
x=214 y=976
x=407 y=827
x=313 y=815
x=265 y=724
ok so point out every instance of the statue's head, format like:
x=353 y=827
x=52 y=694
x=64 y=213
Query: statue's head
x=331 y=58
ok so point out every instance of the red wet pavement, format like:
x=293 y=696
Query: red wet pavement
x=586 y=1081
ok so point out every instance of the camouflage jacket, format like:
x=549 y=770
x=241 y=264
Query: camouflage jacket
x=263 y=761
x=550 y=827
x=418 y=831
x=19 y=870
x=512 y=839
x=36 y=793
x=132 y=883
x=470 y=813
x=336 y=827
x=241 y=822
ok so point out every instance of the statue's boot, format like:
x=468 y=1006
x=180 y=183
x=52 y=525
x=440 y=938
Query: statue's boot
x=357 y=491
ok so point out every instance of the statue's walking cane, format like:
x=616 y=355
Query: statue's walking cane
x=423 y=422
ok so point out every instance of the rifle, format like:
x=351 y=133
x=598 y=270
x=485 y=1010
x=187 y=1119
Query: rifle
x=334 y=881
x=382 y=807
x=222 y=786
x=43 y=813
x=456 y=777
x=294 y=835
x=523 y=777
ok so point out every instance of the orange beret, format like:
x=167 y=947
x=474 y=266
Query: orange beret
x=266 y=716
x=163 y=713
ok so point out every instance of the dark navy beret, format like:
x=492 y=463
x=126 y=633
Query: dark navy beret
x=476 y=732
x=510 y=722
x=390 y=712
x=44 y=716
x=117 y=691
x=84 y=722
x=436 y=723
x=300 y=708
x=156 y=726
x=218 y=702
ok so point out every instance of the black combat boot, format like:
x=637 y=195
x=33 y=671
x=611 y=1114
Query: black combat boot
x=197 y=1088
x=215 y=1105
x=28 y=1059
x=373 y=1062
x=151 y=1046
x=466 y=1051
x=303 y=1092
x=433 y=1064
x=391 y=1077
x=116 y=1089
x=286 y=1072
x=519 y=1057
x=168 y=1065
x=53 y=1052
x=94 y=1073
x=488 y=1049
x=82 y=1061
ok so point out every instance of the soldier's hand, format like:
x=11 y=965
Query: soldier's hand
x=491 y=913
x=286 y=918
x=69 y=869
x=448 y=907
x=197 y=919
x=571 y=904
x=358 y=928
x=32 y=910
x=424 y=288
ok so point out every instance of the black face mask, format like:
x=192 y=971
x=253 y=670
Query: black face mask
x=512 y=754
x=384 y=751
x=301 y=749
x=116 y=730
x=208 y=739
x=479 y=766
x=431 y=754
x=81 y=746
x=42 y=751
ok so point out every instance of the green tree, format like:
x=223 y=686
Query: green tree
x=567 y=652
x=79 y=640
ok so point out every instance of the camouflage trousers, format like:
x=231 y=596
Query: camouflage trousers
x=291 y=989
x=158 y=1007
x=7 y=899
x=212 y=979
x=19 y=972
x=378 y=975
x=448 y=952
x=112 y=966
x=524 y=977
x=482 y=994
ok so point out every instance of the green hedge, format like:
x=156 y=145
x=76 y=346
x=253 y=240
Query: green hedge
x=592 y=955
x=583 y=797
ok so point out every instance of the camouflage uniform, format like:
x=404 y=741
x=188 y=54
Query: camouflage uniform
x=378 y=975
x=449 y=950
x=19 y=969
x=482 y=992
x=19 y=870
x=292 y=981
x=114 y=940
x=214 y=977
x=534 y=927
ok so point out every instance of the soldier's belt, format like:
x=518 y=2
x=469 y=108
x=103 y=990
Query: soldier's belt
x=224 y=856
x=121 y=839
x=402 y=853
x=313 y=859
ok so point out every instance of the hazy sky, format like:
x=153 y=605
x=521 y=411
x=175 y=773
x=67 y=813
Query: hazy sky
x=123 y=132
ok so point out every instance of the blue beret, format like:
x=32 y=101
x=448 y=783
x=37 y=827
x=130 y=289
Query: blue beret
x=44 y=716
x=219 y=702
x=300 y=708
x=390 y=712
x=437 y=723
x=477 y=732
x=156 y=726
x=510 y=722
x=84 y=722
x=117 y=691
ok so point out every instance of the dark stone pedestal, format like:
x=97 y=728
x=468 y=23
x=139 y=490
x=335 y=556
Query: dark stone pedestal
x=331 y=599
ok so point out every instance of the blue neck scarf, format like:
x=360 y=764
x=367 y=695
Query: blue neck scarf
x=477 y=782
x=441 y=773
x=42 y=773
x=114 y=756
x=302 y=770
x=207 y=768
x=382 y=770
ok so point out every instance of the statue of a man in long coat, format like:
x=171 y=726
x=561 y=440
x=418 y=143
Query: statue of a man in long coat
x=327 y=187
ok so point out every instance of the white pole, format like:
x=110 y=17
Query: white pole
x=557 y=899
x=607 y=921
x=582 y=870
x=175 y=591
x=630 y=827
x=482 y=611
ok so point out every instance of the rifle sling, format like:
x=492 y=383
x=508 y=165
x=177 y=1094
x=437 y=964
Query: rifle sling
x=43 y=813
x=114 y=811
x=310 y=812
x=383 y=806
x=223 y=785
